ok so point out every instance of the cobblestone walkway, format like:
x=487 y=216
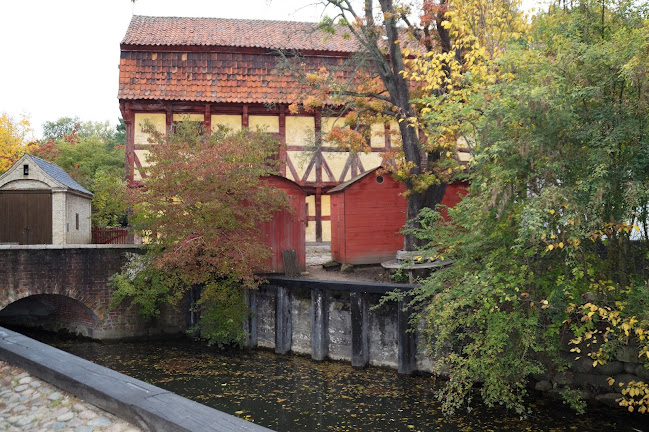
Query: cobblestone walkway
x=29 y=404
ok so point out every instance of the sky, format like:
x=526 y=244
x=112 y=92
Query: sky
x=60 y=57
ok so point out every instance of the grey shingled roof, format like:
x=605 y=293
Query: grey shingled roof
x=58 y=174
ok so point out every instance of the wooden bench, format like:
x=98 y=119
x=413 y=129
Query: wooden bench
x=416 y=270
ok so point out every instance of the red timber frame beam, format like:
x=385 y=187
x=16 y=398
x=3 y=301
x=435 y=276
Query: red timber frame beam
x=318 y=175
x=129 y=119
x=283 y=156
x=207 y=120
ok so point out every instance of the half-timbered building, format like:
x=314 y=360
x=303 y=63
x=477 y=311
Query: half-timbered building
x=232 y=72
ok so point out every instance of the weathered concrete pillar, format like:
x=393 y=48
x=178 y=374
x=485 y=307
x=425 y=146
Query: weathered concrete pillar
x=360 y=324
x=282 y=321
x=319 y=325
x=250 y=324
x=407 y=348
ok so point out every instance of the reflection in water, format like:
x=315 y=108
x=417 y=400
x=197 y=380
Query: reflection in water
x=292 y=393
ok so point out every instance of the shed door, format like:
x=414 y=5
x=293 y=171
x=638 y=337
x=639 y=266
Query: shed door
x=26 y=217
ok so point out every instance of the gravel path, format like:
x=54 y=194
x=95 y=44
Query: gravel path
x=29 y=404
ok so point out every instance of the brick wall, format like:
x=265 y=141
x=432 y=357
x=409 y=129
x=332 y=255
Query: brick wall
x=80 y=274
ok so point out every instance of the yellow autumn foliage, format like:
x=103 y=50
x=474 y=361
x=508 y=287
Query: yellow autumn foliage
x=13 y=139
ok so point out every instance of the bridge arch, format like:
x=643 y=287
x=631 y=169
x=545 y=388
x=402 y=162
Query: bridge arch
x=32 y=276
x=51 y=312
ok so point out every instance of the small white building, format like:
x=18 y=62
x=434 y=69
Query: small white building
x=41 y=204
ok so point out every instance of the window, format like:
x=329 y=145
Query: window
x=77 y=220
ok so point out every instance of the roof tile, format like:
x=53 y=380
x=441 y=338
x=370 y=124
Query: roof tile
x=231 y=81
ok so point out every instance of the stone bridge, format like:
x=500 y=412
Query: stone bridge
x=66 y=287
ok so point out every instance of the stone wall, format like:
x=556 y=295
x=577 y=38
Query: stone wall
x=78 y=205
x=594 y=380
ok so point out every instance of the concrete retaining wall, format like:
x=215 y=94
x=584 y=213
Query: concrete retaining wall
x=335 y=320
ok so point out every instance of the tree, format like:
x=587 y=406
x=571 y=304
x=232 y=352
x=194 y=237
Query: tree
x=66 y=126
x=551 y=244
x=93 y=155
x=60 y=128
x=200 y=208
x=403 y=44
x=13 y=136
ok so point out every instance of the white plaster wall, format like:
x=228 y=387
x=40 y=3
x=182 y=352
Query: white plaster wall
x=158 y=120
x=326 y=230
x=377 y=138
x=143 y=157
x=81 y=206
x=59 y=217
x=188 y=117
x=300 y=131
x=231 y=121
x=370 y=160
x=336 y=162
x=328 y=123
x=267 y=123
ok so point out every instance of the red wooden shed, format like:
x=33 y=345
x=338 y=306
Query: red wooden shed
x=287 y=228
x=367 y=215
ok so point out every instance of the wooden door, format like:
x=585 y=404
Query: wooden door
x=26 y=217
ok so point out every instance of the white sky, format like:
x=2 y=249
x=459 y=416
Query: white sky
x=61 y=57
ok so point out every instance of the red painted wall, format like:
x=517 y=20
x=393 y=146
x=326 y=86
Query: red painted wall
x=367 y=217
x=453 y=195
x=287 y=229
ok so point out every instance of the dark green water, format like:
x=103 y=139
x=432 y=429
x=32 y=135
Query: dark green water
x=293 y=393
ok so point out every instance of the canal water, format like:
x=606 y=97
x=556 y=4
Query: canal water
x=294 y=393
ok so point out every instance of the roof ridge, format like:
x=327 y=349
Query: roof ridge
x=145 y=30
x=227 y=19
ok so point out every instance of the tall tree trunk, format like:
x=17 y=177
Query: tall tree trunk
x=399 y=89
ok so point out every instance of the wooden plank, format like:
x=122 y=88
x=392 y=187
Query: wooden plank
x=11 y=218
x=39 y=218
x=291 y=268
x=318 y=214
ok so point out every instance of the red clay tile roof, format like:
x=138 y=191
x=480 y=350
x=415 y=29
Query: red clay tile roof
x=284 y=35
x=214 y=76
